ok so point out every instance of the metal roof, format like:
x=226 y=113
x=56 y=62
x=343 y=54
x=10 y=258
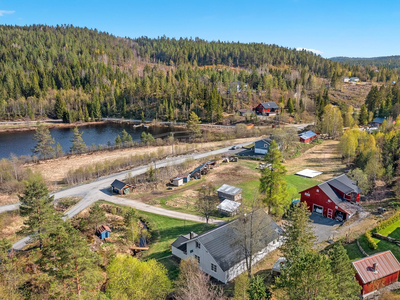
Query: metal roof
x=269 y=105
x=228 y=205
x=387 y=264
x=344 y=184
x=103 y=228
x=229 y=190
x=308 y=173
x=118 y=184
x=307 y=134
x=344 y=205
x=278 y=264
x=223 y=244
x=378 y=120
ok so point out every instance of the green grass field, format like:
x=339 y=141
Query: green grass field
x=166 y=231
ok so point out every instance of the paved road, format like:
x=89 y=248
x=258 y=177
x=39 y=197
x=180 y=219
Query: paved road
x=100 y=190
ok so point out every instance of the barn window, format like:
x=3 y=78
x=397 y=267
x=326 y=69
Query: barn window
x=317 y=190
x=198 y=245
x=197 y=258
x=213 y=268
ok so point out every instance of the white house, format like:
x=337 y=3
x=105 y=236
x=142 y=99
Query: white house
x=218 y=251
x=346 y=79
x=354 y=79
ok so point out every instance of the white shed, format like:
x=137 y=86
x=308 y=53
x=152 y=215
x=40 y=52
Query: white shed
x=228 y=207
x=178 y=181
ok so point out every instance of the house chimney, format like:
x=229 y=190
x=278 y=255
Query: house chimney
x=191 y=234
x=375 y=267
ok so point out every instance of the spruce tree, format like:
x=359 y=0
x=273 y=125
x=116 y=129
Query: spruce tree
x=126 y=137
x=363 y=117
x=258 y=290
x=118 y=141
x=96 y=216
x=60 y=107
x=36 y=204
x=44 y=147
x=273 y=183
x=193 y=123
x=78 y=145
x=343 y=273
x=59 y=150
x=290 y=107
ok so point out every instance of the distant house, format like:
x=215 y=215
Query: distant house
x=307 y=137
x=377 y=122
x=346 y=79
x=230 y=192
x=236 y=86
x=262 y=146
x=103 y=232
x=228 y=207
x=376 y=271
x=185 y=177
x=219 y=252
x=354 y=79
x=267 y=109
x=333 y=198
x=120 y=187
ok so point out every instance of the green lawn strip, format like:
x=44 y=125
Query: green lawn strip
x=353 y=252
x=167 y=231
x=392 y=230
x=249 y=164
x=172 y=268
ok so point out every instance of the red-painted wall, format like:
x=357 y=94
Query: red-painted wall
x=319 y=198
x=377 y=284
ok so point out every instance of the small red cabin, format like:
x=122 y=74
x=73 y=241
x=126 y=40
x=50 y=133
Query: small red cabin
x=267 y=109
x=333 y=198
x=307 y=137
x=376 y=271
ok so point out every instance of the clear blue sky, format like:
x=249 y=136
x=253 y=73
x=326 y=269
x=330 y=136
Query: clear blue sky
x=335 y=27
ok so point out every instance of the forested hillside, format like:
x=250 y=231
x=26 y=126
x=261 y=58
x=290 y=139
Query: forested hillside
x=390 y=62
x=82 y=74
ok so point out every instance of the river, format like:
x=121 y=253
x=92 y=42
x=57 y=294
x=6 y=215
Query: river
x=21 y=142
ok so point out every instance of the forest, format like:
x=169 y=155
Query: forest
x=79 y=74
x=391 y=62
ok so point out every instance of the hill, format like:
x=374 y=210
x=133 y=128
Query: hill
x=382 y=61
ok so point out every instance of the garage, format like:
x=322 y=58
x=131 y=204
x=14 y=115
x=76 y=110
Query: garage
x=318 y=209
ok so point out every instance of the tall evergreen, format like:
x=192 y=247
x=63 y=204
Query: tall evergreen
x=363 y=116
x=60 y=107
x=78 y=145
x=44 y=147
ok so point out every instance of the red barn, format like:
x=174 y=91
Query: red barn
x=267 y=109
x=307 y=137
x=376 y=271
x=333 y=198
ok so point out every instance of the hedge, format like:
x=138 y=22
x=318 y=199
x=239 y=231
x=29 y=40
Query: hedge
x=394 y=218
x=370 y=241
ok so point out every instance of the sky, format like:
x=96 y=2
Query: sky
x=330 y=28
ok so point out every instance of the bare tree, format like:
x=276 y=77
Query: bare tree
x=251 y=233
x=207 y=202
x=194 y=284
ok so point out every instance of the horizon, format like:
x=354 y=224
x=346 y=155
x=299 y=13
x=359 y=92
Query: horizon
x=359 y=29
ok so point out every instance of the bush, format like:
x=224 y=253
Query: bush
x=394 y=218
x=370 y=241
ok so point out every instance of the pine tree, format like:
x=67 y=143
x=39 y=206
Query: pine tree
x=258 y=290
x=60 y=107
x=96 y=109
x=290 y=107
x=343 y=272
x=36 y=204
x=78 y=145
x=96 y=216
x=143 y=117
x=272 y=181
x=363 y=117
x=118 y=141
x=126 y=138
x=59 y=150
x=44 y=141
x=193 y=123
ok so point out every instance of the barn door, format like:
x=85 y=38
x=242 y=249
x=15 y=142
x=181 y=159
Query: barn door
x=330 y=213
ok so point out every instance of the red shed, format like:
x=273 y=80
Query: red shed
x=307 y=137
x=333 y=198
x=267 y=109
x=376 y=271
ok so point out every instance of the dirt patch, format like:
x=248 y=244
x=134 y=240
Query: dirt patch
x=10 y=224
x=325 y=158
x=57 y=169
x=8 y=199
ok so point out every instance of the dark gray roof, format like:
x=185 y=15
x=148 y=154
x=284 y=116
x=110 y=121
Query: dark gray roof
x=118 y=184
x=223 y=243
x=378 y=120
x=260 y=143
x=343 y=204
x=178 y=243
x=269 y=105
x=344 y=184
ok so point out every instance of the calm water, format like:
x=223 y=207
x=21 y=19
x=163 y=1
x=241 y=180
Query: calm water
x=21 y=143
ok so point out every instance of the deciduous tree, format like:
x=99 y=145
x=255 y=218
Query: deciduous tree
x=207 y=201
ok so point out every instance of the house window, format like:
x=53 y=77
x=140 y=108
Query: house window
x=198 y=245
x=213 y=268
x=265 y=145
x=197 y=258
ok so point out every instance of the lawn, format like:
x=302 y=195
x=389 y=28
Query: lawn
x=166 y=231
x=392 y=230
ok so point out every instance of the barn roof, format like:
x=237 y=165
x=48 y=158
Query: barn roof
x=307 y=134
x=378 y=120
x=223 y=242
x=269 y=105
x=344 y=184
x=118 y=184
x=229 y=190
x=228 y=205
x=387 y=264
x=103 y=228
